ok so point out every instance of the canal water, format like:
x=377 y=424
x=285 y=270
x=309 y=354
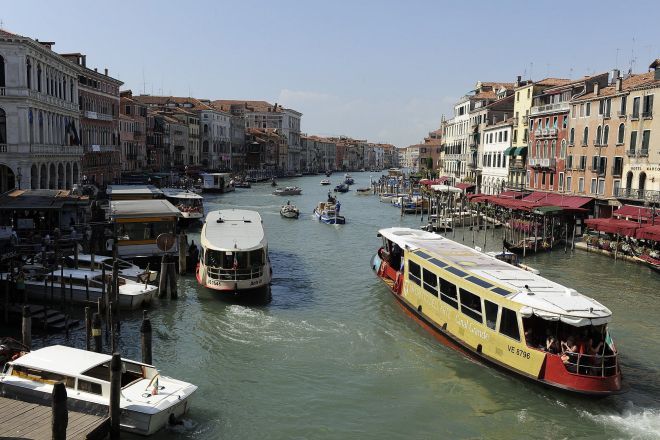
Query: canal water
x=333 y=356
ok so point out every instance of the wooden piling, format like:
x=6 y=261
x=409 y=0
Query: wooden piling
x=146 y=338
x=174 y=294
x=183 y=247
x=26 y=327
x=115 y=394
x=75 y=254
x=88 y=328
x=97 y=334
x=111 y=325
x=60 y=412
x=70 y=289
x=115 y=292
x=6 y=311
x=86 y=288
x=162 y=284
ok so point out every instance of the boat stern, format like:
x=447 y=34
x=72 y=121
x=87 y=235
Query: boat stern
x=600 y=380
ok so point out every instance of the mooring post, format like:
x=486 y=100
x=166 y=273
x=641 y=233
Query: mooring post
x=6 y=311
x=60 y=412
x=27 y=327
x=115 y=292
x=162 y=284
x=111 y=326
x=70 y=290
x=75 y=254
x=115 y=392
x=88 y=327
x=86 y=288
x=146 y=335
x=183 y=247
x=96 y=333
x=174 y=294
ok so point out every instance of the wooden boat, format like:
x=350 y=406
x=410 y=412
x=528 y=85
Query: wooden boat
x=500 y=314
x=529 y=245
x=348 y=179
x=242 y=184
x=651 y=262
x=363 y=191
x=126 y=269
x=342 y=188
x=326 y=212
x=148 y=400
x=235 y=254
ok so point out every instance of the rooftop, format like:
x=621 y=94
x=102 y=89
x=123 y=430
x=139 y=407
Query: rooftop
x=142 y=208
x=239 y=229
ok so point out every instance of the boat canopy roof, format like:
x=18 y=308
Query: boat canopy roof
x=142 y=208
x=233 y=230
x=133 y=190
x=536 y=295
x=179 y=193
x=446 y=189
x=64 y=360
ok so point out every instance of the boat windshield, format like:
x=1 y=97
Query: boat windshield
x=130 y=372
x=235 y=259
x=143 y=231
x=585 y=350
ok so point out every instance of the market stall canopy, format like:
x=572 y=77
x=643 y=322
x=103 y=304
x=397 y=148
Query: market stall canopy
x=445 y=189
x=631 y=212
x=464 y=186
x=613 y=226
x=648 y=233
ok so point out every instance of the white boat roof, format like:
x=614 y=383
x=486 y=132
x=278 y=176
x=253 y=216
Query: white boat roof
x=179 y=193
x=446 y=189
x=142 y=208
x=79 y=273
x=536 y=294
x=240 y=229
x=215 y=174
x=132 y=190
x=64 y=360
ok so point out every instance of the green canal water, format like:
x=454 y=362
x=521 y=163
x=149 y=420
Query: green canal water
x=333 y=356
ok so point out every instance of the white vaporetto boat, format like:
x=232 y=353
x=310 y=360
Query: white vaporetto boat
x=234 y=256
x=189 y=203
x=148 y=400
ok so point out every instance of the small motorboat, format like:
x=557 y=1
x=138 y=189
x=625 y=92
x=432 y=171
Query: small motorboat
x=273 y=182
x=325 y=182
x=328 y=173
x=148 y=399
x=342 y=188
x=326 y=212
x=242 y=184
x=363 y=191
x=289 y=211
x=288 y=191
x=348 y=179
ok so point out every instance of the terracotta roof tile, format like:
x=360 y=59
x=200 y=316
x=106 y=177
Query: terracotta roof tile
x=630 y=83
x=552 y=82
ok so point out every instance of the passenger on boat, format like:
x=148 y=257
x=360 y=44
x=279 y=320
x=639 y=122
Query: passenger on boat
x=551 y=345
x=569 y=353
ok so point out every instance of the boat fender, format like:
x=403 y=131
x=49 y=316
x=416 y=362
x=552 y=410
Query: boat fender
x=479 y=348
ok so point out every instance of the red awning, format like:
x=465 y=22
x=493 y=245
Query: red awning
x=509 y=194
x=442 y=180
x=613 y=226
x=464 y=186
x=632 y=212
x=512 y=203
x=648 y=233
x=433 y=182
x=552 y=199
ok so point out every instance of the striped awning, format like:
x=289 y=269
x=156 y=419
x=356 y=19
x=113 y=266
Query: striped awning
x=509 y=151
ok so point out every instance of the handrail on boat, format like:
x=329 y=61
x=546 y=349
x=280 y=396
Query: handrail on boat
x=591 y=363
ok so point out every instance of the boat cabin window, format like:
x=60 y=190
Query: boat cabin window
x=509 y=324
x=491 y=314
x=130 y=372
x=448 y=293
x=392 y=253
x=143 y=231
x=414 y=273
x=90 y=387
x=235 y=260
x=430 y=282
x=42 y=376
x=471 y=305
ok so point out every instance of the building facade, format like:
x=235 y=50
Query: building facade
x=497 y=142
x=39 y=116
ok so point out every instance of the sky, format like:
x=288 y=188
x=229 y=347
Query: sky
x=385 y=70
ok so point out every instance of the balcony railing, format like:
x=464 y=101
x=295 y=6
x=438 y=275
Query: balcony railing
x=518 y=164
x=98 y=116
x=53 y=100
x=621 y=114
x=644 y=152
x=647 y=115
x=56 y=149
x=637 y=194
x=549 y=108
x=101 y=149
x=545 y=132
x=545 y=162
x=515 y=122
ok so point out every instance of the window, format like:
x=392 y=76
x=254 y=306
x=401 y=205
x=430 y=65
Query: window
x=506 y=135
x=601 y=186
x=617 y=168
x=582 y=110
x=554 y=121
x=622 y=108
x=647 y=108
x=571 y=137
x=606 y=134
x=509 y=324
x=593 y=186
x=585 y=136
x=491 y=314
x=561 y=181
x=599 y=135
x=515 y=136
x=564 y=123
x=621 y=134
x=635 y=111
x=581 y=185
x=552 y=180
x=646 y=137
x=430 y=282
x=543 y=179
x=448 y=293
x=569 y=181
x=553 y=149
x=517 y=96
x=569 y=161
x=89 y=387
x=562 y=151
x=414 y=273
x=616 y=187
x=633 y=141
x=529 y=93
x=471 y=305
x=587 y=111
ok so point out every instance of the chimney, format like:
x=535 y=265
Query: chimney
x=106 y=71
x=619 y=84
x=518 y=78
x=613 y=75
x=596 y=89
x=84 y=60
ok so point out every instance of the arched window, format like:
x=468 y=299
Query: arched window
x=28 y=66
x=545 y=149
x=585 y=136
x=571 y=139
x=553 y=149
x=599 y=135
x=38 y=78
x=3 y=127
x=2 y=72
x=562 y=152
x=606 y=134
x=538 y=149
x=621 y=134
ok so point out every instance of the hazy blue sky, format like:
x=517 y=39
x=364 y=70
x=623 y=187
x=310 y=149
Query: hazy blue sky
x=381 y=70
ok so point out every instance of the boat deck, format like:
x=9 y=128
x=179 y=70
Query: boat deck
x=25 y=420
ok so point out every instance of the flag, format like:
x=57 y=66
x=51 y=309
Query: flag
x=610 y=342
x=155 y=389
x=235 y=266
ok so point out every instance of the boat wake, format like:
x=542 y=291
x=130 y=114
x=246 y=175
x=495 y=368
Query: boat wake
x=637 y=423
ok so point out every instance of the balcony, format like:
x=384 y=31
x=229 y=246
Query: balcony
x=644 y=152
x=542 y=162
x=56 y=149
x=97 y=116
x=545 y=133
x=647 y=115
x=515 y=122
x=517 y=165
x=621 y=114
x=525 y=121
x=53 y=100
x=101 y=149
x=549 y=108
x=637 y=194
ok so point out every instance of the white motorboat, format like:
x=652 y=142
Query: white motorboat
x=126 y=269
x=148 y=400
x=289 y=211
x=188 y=202
x=132 y=295
x=288 y=191
x=325 y=182
x=235 y=253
